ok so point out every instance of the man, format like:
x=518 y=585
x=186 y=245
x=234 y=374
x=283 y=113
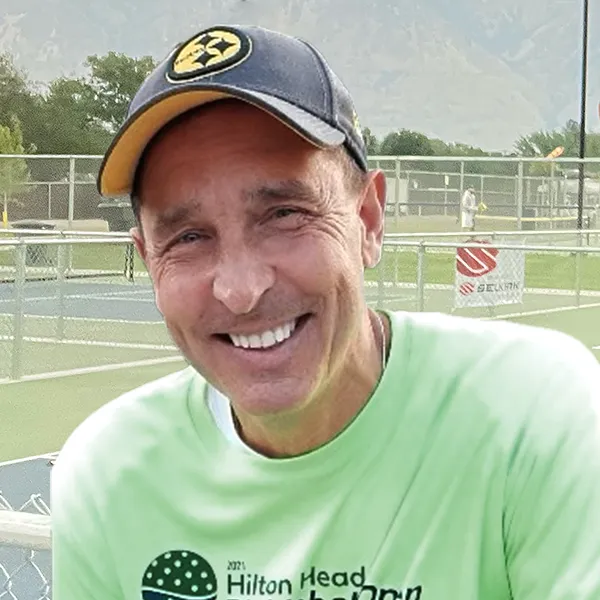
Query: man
x=468 y=209
x=314 y=448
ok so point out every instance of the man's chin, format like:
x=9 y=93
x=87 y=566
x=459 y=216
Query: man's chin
x=269 y=400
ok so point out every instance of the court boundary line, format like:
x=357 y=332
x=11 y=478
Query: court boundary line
x=94 y=295
x=374 y=283
x=100 y=343
x=92 y=319
x=97 y=369
x=541 y=311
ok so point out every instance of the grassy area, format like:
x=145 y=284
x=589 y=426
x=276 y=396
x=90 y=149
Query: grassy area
x=142 y=332
x=449 y=223
x=41 y=357
x=38 y=416
x=105 y=257
x=542 y=270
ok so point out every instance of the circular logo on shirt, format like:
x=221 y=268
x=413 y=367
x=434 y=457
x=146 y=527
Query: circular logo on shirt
x=209 y=52
x=179 y=575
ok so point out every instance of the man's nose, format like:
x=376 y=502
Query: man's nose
x=240 y=280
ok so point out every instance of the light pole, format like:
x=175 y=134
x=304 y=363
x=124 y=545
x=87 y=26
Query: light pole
x=584 y=61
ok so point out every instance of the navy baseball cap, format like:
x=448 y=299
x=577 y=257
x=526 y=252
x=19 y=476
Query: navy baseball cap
x=280 y=74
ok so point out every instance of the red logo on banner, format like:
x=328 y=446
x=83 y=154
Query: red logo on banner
x=466 y=288
x=475 y=262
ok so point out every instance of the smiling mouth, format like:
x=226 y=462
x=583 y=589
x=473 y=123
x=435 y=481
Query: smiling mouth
x=268 y=338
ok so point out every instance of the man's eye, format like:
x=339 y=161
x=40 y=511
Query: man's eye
x=283 y=212
x=190 y=237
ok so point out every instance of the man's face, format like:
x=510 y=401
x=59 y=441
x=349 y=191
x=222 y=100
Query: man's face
x=256 y=244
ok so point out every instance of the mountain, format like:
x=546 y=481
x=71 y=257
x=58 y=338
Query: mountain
x=481 y=72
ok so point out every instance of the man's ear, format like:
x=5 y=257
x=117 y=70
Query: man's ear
x=139 y=242
x=372 y=215
x=140 y=245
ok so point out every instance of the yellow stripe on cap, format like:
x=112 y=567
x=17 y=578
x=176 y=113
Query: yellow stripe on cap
x=121 y=161
x=117 y=172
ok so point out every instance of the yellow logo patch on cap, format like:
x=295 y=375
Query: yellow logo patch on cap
x=209 y=52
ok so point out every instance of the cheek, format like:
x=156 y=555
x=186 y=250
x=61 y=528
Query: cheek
x=178 y=290
x=320 y=264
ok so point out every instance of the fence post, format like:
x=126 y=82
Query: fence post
x=421 y=277
x=481 y=188
x=71 y=191
x=71 y=215
x=397 y=193
x=552 y=191
x=462 y=186
x=446 y=182
x=520 y=196
x=578 y=256
x=18 y=321
x=62 y=258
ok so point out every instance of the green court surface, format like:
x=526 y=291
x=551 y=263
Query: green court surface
x=38 y=416
x=85 y=343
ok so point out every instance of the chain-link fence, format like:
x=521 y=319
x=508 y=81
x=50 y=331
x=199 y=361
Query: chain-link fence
x=484 y=277
x=76 y=305
x=62 y=189
x=25 y=550
x=424 y=192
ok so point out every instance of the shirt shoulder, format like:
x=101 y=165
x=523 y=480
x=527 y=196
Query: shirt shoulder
x=494 y=346
x=508 y=372
x=126 y=430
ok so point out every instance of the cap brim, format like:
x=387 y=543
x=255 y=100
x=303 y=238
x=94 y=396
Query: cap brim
x=117 y=171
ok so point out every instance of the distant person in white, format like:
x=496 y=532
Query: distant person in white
x=468 y=209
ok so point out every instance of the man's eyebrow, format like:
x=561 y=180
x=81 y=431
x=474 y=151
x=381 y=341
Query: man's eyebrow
x=290 y=189
x=172 y=218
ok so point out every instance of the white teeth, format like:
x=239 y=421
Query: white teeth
x=266 y=339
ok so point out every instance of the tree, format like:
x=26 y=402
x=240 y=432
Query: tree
x=371 y=142
x=111 y=85
x=19 y=99
x=71 y=115
x=14 y=172
x=541 y=143
x=408 y=143
x=70 y=128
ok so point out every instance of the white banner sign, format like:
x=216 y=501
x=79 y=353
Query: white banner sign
x=488 y=276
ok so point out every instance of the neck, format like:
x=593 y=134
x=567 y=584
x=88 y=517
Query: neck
x=329 y=412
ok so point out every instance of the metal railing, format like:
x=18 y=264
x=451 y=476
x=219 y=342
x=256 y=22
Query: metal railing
x=92 y=298
x=420 y=275
x=86 y=296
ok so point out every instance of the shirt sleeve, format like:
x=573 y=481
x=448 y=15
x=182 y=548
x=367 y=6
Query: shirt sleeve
x=81 y=559
x=552 y=504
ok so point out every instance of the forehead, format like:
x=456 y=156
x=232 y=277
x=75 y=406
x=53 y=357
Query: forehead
x=221 y=140
x=226 y=125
